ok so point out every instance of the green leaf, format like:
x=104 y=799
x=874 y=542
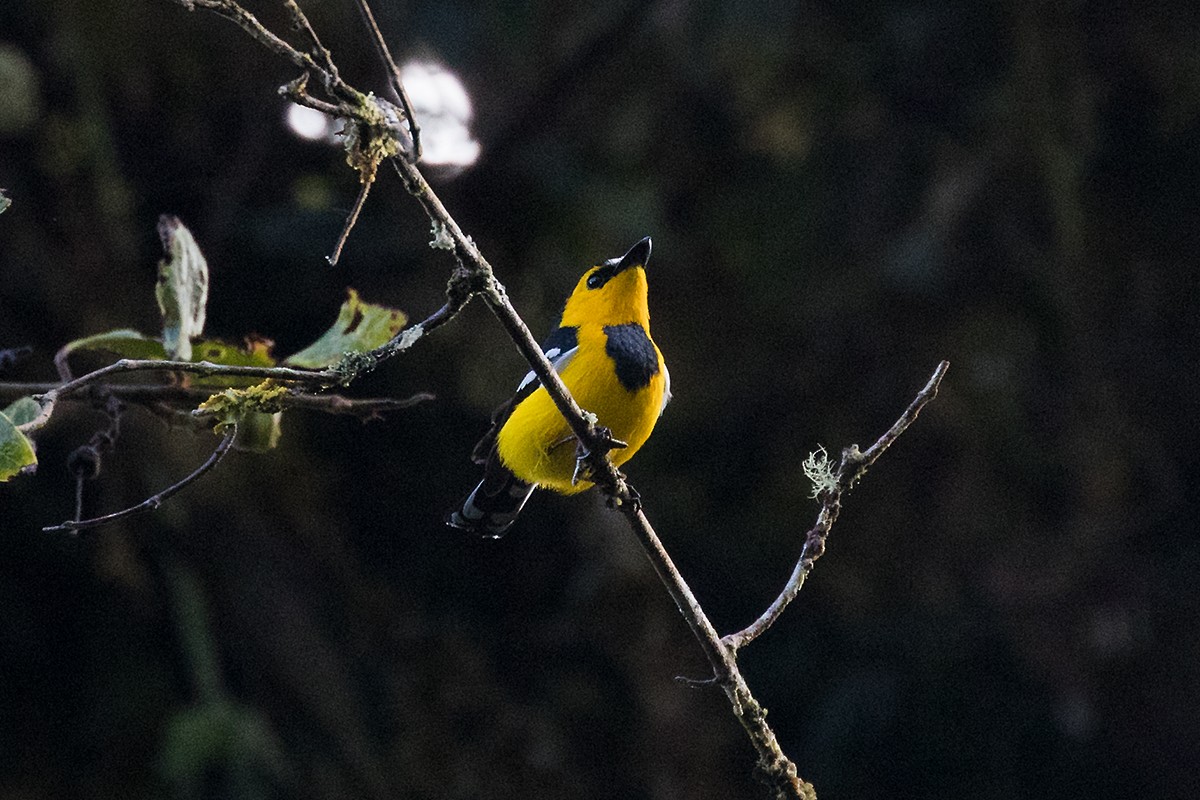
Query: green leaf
x=256 y=352
x=123 y=342
x=127 y=343
x=24 y=410
x=182 y=289
x=5 y=202
x=16 y=451
x=360 y=327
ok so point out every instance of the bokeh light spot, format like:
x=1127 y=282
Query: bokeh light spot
x=308 y=123
x=443 y=110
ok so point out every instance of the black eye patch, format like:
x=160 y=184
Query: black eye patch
x=604 y=273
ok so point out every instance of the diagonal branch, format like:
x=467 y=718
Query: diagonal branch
x=351 y=221
x=472 y=276
x=234 y=12
x=850 y=468
x=774 y=767
x=475 y=272
x=300 y=20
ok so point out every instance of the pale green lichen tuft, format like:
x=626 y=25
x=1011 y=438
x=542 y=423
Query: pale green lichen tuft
x=442 y=240
x=818 y=469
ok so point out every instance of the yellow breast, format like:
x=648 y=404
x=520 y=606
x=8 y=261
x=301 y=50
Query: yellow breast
x=537 y=444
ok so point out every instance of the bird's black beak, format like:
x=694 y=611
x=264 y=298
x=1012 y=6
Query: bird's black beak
x=637 y=256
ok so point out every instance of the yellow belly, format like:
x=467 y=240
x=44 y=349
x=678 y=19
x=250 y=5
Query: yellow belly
x=537 y=444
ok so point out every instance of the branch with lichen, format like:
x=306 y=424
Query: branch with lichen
x=830 y=482
x=378 y=131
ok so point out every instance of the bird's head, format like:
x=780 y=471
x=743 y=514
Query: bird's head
x=612 y=293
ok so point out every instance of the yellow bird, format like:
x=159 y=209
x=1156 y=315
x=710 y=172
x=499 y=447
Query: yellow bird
x=603 y=352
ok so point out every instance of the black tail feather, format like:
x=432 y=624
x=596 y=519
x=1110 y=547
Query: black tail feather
x=491 y=509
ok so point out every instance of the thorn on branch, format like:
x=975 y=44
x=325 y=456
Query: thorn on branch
x=696 y=683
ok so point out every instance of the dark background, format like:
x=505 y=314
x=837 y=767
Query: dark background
x=840 y=195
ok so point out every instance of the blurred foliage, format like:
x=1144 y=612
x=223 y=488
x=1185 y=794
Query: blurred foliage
x=17 y=454
x=840 y=196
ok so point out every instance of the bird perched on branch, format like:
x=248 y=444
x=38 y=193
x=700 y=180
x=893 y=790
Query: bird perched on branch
x=603 y=352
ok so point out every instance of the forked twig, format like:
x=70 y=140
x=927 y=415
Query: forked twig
x=154 y=501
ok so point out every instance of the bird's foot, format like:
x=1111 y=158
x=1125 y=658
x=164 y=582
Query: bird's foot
x=605 y=442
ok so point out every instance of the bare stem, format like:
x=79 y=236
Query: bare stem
x=775 y=768
x=351 y=219
x=849 y=469
x=233 y=12
x=202 y=368
x=154 y=501
x=320 y=50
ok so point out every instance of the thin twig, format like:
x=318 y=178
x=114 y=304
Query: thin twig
x=297 y=91
x=351 y=219
x=850 y=468
x=301 y=21
x=78 y=497
x=250 y=24
x=154 y=501
x=458 y=295
x=385 y=54
x=202 y=368
x=173 y=402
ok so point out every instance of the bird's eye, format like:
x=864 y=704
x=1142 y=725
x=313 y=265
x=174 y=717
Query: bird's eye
x=595 y=280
